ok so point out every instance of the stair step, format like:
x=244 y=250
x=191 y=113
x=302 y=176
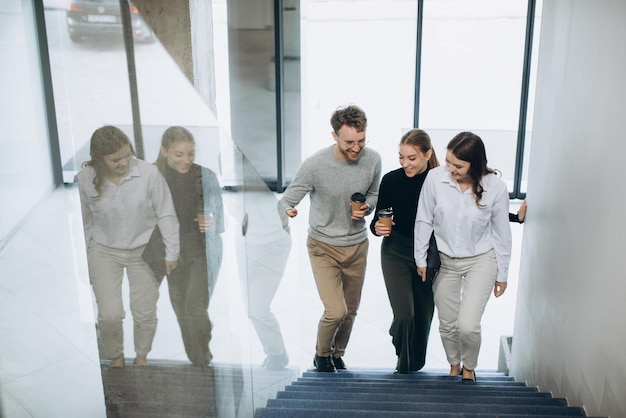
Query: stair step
x=427 y=398
x=380 y=393
x=517 y=392
x=350 y=405
x=417 y=376
x=329 y=413
x=389 y=386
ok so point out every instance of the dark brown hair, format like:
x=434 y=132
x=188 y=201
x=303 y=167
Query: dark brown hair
x=104 y=141
x=469 y=147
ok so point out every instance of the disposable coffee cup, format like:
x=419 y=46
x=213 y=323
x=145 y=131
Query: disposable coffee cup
x=385 y=216
x=202 y=218
x=358 y=199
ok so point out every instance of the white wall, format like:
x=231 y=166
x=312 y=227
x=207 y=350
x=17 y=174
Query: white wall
x=570 y=330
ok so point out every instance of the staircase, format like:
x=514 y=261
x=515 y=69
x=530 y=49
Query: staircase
x=376 y=393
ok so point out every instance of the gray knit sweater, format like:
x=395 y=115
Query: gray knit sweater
x=330 y=184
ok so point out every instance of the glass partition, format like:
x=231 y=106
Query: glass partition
x=246 y=244
x=89 y=75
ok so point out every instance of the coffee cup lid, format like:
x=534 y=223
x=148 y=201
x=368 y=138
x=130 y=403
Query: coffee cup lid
x=358 y=197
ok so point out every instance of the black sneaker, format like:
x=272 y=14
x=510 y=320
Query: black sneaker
x=323 y=364
x=339 y=364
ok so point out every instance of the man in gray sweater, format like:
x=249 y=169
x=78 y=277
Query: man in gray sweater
x=337 y=241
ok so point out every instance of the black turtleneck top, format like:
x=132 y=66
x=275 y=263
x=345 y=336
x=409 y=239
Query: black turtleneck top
x=400 y=193
x=186 y=192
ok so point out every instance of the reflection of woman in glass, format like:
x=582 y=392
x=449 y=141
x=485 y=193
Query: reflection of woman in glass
x=122 y=201
x=198 y=201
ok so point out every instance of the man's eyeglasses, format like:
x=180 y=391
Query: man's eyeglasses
x=361 y=143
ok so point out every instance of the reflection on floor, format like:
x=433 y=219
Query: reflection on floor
x=48 y=354
x=177 y=389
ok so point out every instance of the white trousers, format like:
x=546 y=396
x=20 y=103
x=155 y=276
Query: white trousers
x=461 y=289
x=106 y=272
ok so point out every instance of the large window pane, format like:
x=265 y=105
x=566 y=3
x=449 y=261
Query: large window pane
x=531 y=94
x=473 y=54
x=89 y=75
x=363 y=53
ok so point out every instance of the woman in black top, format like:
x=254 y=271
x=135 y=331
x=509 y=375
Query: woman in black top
x=198 y=201
x=411 y=299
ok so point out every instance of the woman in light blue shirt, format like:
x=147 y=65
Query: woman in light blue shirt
x=466 y=204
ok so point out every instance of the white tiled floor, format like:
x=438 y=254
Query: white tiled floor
x=48 y=355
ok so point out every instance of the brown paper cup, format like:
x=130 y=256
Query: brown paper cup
x=385 y=220
x=356 y=206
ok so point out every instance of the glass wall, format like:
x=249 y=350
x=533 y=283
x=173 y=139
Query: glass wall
x=472 y=62
x=359 y=53
x=248 y=252
x=25 y=160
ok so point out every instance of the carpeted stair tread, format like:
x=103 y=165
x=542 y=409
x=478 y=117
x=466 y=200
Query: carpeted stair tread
x=416 y=376
x=455 y=384
x=329 y=413
x=478 y=391
x=420 y=397
x=424 y=407
x=380 y=393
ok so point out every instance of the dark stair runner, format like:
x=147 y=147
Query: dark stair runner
x=375 y=393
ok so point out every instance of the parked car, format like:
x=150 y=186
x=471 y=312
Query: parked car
x=102 y=18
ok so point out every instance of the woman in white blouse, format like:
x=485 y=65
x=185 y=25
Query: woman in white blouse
x=466 y=204
x=122 y=200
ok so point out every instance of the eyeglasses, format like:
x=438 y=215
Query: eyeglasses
x=361 y=143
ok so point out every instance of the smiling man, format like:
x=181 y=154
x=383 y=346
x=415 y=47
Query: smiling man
x=337 y=241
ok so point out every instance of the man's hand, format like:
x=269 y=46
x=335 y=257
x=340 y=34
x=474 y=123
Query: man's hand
x=360 y=214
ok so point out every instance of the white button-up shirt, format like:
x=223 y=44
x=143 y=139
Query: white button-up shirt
x=462 y=229
x=124 y=215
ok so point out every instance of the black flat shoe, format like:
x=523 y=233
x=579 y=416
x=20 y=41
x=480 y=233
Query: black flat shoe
x=469 y=379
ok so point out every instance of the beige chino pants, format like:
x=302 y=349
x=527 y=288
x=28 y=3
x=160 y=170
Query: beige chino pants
x=339 y=275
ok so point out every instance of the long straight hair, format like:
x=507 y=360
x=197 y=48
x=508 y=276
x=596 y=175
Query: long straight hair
x=104 y=141
x=469 y=147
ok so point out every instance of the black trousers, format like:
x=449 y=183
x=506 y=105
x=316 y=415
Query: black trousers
x=411 y=301
x=189 y=293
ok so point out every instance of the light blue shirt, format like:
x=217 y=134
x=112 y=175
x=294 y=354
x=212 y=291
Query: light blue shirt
x=462 y=229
